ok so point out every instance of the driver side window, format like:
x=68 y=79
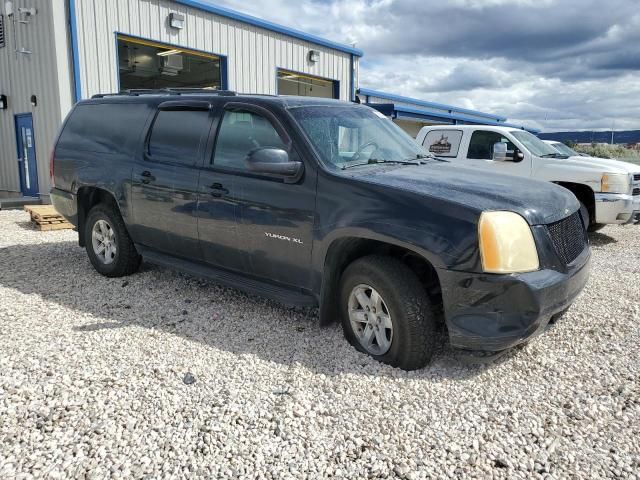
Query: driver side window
x=241 y=132
x=481 y=145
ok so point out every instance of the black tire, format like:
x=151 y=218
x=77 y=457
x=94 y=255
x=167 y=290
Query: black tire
x=126 y=259
x=584 y=212
x=594 y=227
x=410 y=311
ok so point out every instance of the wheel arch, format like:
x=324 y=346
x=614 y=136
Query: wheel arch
x=88 y=197
x=584 y=194
x=344 y=250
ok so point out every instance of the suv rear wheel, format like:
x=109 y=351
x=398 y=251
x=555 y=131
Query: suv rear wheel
x=386 y=312
x=108 y=245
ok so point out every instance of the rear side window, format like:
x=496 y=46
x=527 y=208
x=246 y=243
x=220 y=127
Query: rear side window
x=178 y=135
x=105 y=128
x=443 y=143
x=241 y=132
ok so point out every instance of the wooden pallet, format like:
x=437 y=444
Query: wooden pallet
x=47 y=218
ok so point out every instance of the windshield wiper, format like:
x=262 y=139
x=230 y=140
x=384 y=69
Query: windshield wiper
x=372 y=161
x=430 y=156
x=554 y=155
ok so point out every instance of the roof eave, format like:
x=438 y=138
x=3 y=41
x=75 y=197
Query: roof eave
x=274 y=27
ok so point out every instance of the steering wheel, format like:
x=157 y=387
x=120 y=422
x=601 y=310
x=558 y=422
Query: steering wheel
x=370 y=143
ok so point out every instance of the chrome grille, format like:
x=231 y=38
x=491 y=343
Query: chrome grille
x=569 y=237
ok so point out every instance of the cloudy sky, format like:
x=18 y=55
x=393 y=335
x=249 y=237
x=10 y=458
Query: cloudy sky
x=551 y=64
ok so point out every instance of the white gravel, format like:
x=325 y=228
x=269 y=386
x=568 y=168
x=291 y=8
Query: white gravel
x=160 y=374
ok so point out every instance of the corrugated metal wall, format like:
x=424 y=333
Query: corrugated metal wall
x=253 y=53
x=253 y=56
x=23 y=75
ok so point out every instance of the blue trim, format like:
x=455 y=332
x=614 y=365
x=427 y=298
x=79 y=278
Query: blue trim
x=73 y=27
x=424 y=103
x=224 y=81
x=352 y=87
x=336 y=83
x=274 y=27
x=224 y=72
x=408 y=112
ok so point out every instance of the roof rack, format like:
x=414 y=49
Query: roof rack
x=167 y=91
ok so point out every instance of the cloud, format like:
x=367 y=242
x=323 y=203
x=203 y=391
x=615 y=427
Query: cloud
x=546 y=63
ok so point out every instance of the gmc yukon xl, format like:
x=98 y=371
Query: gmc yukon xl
x=319 y=203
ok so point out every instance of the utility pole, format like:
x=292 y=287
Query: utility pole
x=613 y=125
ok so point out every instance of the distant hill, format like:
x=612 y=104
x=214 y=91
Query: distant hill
x=622 y=136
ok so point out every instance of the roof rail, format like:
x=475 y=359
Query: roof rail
x=167 y=91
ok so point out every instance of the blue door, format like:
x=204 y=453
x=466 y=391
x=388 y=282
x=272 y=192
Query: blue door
x=27 y=165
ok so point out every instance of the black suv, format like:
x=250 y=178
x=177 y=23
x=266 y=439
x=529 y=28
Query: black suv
x=321 y=203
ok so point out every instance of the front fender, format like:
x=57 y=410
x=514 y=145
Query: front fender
x=556 y=172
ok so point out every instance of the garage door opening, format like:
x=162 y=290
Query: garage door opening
x=147 y=64
x=292 y=83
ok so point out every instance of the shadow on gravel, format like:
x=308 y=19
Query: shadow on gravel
x=201 y=311
x=27 y=226
x=598 y=239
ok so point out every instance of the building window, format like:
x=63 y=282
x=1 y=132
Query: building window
x=147 y=64
x=291 y=83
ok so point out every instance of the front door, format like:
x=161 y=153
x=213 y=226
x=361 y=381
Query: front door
x=27 y=165
x=480 y=154
x=254 y=223
x=164 y=184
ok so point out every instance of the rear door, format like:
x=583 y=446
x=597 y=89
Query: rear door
x=164 y=186
x=254 y=223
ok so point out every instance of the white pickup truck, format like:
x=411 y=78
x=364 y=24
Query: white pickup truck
x=608 y=190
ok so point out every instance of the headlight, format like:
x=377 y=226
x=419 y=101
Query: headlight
x=506 y=243
x=615 y=183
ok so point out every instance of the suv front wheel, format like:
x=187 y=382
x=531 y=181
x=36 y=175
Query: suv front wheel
x=107 y=242
x=386 y=312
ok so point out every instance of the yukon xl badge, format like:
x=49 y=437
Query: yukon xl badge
x=277 y=236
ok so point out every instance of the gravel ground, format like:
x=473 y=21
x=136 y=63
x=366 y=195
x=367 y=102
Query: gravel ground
x=161 y=374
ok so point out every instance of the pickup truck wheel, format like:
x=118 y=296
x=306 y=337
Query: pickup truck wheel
x=108 y=244
x=386 y=312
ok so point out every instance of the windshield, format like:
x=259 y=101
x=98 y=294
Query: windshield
x=353 y=134
x=562 y=148
x=534 y=144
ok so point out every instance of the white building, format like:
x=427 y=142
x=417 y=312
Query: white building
x=54 y=52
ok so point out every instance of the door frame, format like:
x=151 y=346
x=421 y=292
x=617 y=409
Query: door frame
x=23 y=180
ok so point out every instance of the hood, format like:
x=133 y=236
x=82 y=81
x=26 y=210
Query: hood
x=607 y=165
x=539 y=202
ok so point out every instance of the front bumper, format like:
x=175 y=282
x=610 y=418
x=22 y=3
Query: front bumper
x=616 y=208
x=495 y=312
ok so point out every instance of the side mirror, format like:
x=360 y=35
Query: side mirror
x=500 y=152
x=272 y=161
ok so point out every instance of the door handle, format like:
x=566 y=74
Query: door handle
x=217 y=190
x=147 y=176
